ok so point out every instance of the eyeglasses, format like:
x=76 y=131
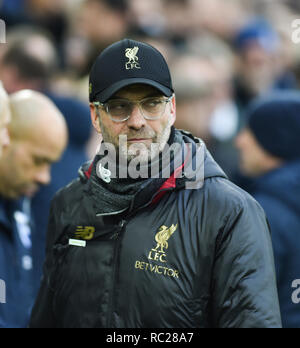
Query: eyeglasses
x=120 y=110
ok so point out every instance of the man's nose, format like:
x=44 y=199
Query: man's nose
x=43 y=176
x=136 y=119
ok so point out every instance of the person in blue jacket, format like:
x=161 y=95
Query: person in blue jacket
x=38 y=136
x=270 y=153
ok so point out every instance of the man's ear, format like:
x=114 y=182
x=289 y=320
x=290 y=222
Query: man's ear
x=95 y=114
x=173 y=109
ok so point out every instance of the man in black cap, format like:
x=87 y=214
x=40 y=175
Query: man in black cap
x=270 y=154
x=152 y=234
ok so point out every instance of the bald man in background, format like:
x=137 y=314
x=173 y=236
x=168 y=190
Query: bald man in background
x=38 y=137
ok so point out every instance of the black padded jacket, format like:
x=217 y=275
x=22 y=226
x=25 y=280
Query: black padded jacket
x=178 y=258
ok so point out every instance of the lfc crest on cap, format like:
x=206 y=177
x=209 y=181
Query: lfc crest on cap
x=131 y=54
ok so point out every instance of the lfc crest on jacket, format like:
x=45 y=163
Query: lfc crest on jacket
x=161 y=238
x=157 y=256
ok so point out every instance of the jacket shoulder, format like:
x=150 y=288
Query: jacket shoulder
x=221 y=192
x=67 y=194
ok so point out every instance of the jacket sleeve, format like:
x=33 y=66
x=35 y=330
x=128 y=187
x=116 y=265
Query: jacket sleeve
x=244 y=282
x=42 y=315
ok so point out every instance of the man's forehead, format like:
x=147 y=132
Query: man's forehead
x=42 y=148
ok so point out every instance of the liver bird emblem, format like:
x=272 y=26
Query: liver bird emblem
x=131 y=54
x=162 y=237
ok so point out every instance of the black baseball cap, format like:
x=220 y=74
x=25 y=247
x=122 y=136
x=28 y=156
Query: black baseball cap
x=128 y=62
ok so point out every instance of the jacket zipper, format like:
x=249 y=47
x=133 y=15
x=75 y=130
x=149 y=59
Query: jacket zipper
x=116 y=255
x=112 y=213
x=117 y=239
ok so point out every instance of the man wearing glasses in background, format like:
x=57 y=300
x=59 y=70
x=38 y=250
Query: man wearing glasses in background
x=150 y=250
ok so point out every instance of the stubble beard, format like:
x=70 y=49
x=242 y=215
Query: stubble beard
x=144 y=152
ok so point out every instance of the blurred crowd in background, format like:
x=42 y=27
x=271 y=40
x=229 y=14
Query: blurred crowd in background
x=221 y=54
